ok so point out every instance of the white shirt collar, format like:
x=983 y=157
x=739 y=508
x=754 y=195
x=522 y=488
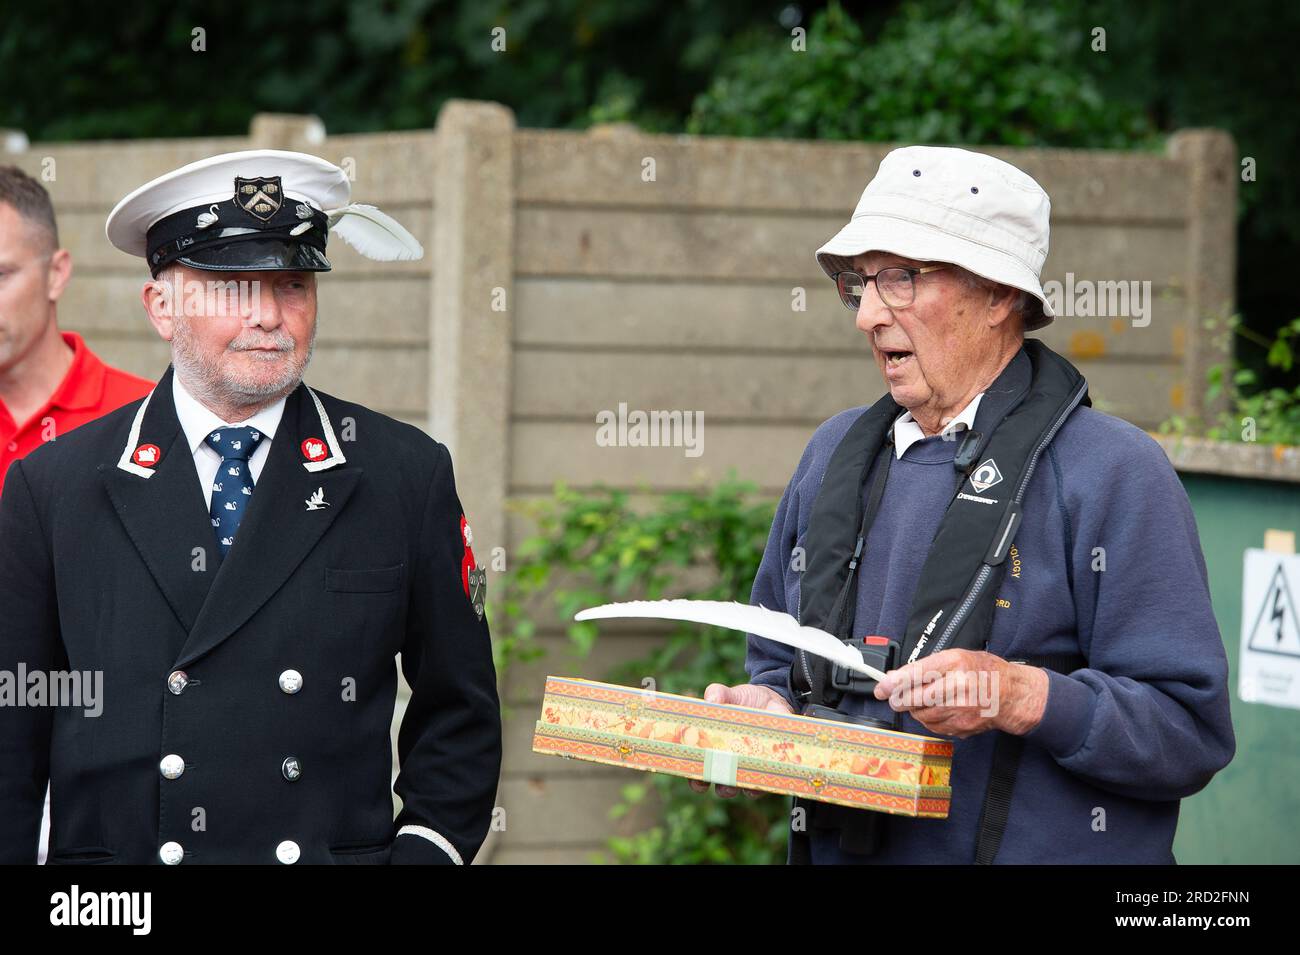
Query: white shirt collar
x=907 y=432
x=198 y=421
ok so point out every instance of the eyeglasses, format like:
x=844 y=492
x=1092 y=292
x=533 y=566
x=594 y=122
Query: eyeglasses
x=895 y=286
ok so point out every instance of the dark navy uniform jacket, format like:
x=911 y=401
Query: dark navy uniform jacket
x=246 y=702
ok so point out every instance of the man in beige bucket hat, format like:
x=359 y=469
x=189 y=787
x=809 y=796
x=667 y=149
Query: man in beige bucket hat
x=953 y=205
x=951 y=533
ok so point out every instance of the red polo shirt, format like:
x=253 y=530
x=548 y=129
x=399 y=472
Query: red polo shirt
x=88 y=390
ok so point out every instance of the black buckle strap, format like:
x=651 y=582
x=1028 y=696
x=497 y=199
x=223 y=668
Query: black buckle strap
x=880 y=653
x=841 y=615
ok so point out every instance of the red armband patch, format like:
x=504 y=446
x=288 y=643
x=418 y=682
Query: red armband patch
x=472 y=577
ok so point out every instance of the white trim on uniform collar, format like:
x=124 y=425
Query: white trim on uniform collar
x=331 y=442
x=907 y=432
x=198 y=421
x=125 y=462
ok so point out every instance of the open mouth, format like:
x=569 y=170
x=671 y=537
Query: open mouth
x=895 y=358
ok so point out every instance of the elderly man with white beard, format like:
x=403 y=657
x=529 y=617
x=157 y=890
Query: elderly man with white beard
x=982 y=527
x=242 y=557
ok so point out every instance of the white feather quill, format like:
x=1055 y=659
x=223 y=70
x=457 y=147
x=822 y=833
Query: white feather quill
x=746 y=618
x=374 y=234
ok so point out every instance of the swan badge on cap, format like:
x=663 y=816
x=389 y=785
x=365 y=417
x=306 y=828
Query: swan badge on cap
x=253 y=211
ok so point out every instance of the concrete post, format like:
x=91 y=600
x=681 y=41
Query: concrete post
x=303 y=134
x=1211 y=157
x=472 y=301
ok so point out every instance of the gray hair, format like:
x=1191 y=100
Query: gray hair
x=1026 y=304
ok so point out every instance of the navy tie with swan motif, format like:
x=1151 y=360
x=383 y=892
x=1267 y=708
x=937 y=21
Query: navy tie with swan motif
x=232 y=488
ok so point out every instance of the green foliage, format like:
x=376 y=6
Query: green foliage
x=1275 y=412
x=975 y=71
x=1190 y=66
x=104 y=71
x=593 y=548
x=702 y=829
x=987 y=71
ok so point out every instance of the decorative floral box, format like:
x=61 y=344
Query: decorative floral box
x=825 y=760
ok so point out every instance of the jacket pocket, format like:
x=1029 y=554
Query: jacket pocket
x=380 y=580
x=372 y=854
x=86 y=855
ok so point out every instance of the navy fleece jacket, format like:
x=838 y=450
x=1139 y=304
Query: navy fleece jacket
x=1122 y=741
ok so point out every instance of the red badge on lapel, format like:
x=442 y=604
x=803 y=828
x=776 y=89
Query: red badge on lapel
x=314 y=449
x=467 y=559
x=147 y=455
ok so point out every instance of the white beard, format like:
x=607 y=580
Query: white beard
x=216 y=386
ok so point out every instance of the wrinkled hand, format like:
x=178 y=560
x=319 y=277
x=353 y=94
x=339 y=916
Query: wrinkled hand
x=747 y=694
x=963 y=693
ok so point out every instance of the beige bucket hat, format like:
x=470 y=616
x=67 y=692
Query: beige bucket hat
x=943 y=204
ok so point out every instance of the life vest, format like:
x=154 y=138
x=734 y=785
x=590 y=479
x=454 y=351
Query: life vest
x=954 y=599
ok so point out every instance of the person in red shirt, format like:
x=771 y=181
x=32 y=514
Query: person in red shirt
x=50 y=382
